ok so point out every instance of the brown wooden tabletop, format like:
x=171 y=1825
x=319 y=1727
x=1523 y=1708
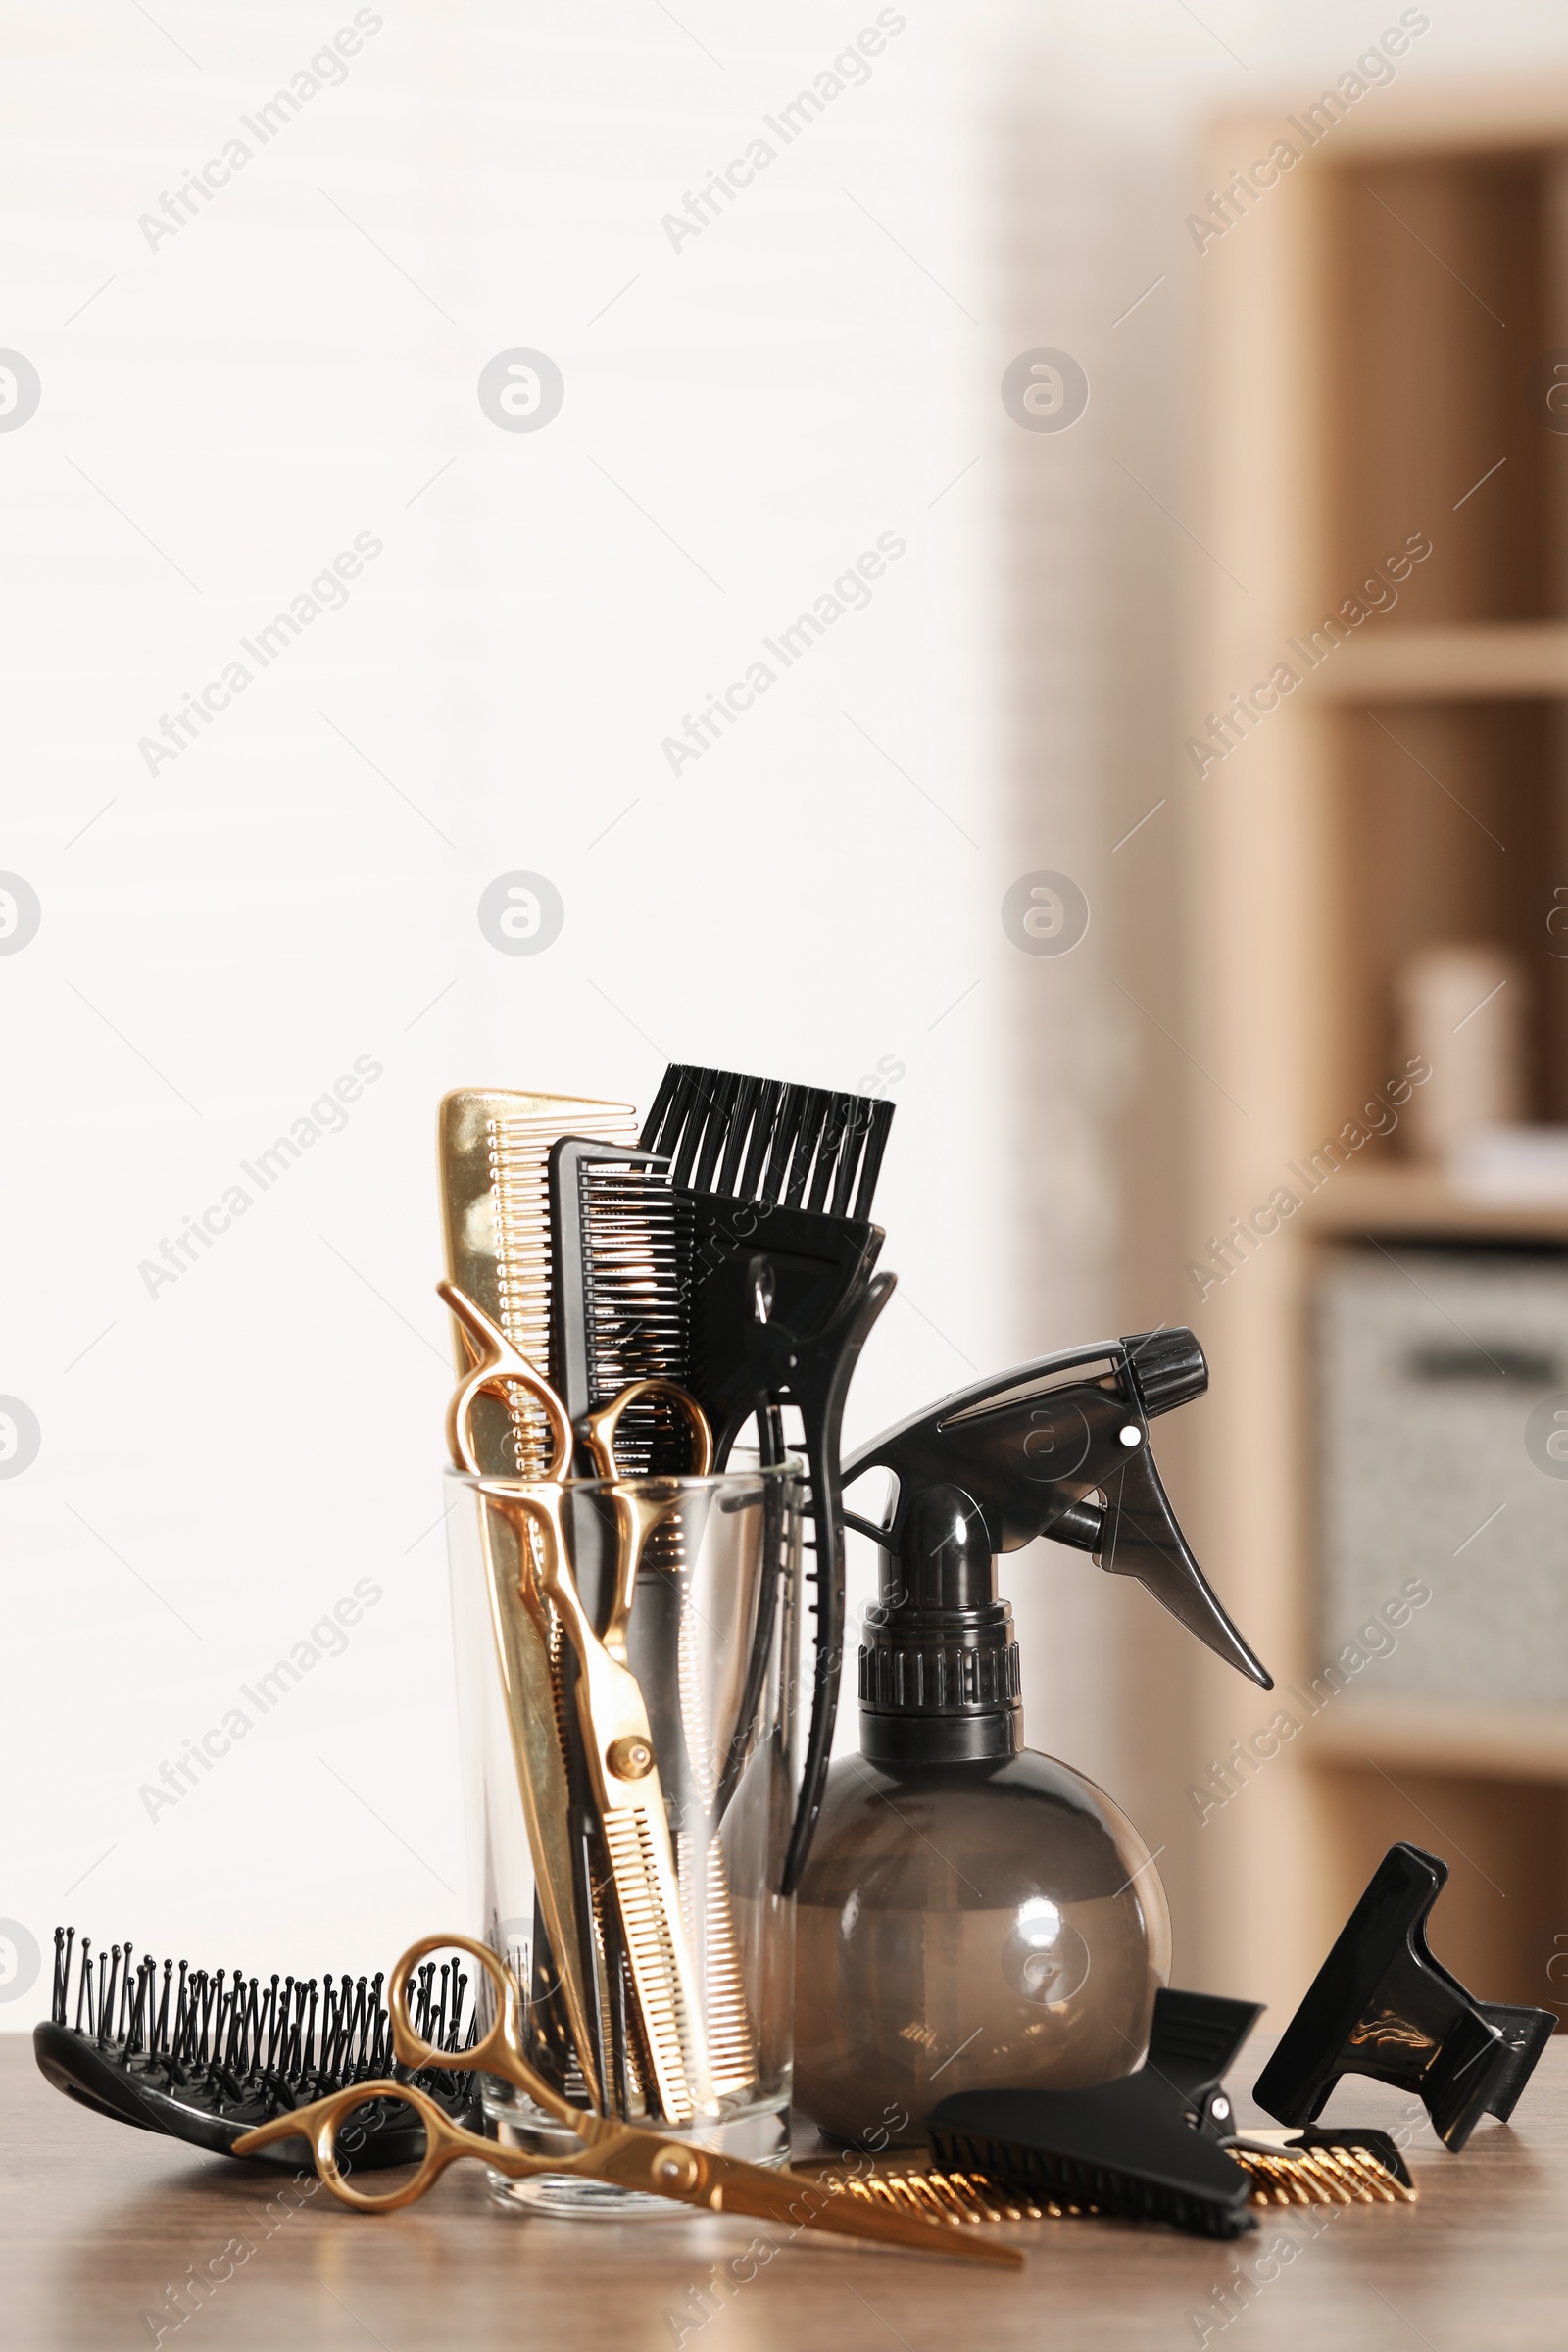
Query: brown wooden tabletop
x=99 y=2223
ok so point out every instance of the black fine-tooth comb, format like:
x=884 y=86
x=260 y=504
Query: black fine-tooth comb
x=622 y=1318
x=786 y=1174
x=618 y=1297
x=206 y=2057
x=1381 y=2005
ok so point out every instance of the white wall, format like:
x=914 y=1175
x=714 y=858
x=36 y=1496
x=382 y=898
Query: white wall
x=817 y=895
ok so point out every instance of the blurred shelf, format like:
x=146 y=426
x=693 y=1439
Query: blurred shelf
x=1406 y=1201
x=1477 y=662
x=1511 y=1744
x=1384 y=397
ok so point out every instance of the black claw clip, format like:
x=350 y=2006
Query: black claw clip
x=1381 y=2005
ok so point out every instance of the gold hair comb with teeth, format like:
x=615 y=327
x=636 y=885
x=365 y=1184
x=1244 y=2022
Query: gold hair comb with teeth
x=1324 y=2167
x=1160 y=2145
x=1343 y=2168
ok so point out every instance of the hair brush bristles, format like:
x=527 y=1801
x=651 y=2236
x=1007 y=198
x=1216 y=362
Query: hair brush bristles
x=207 y=2056
x=755 y=1139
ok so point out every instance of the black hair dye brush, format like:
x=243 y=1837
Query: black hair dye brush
x=206 y=2057
x=775 y=1184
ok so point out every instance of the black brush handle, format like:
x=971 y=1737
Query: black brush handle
x=770 y=1450
x=820 y=1395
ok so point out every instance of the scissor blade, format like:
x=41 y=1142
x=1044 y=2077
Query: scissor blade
x=522 y=1650
x=796 y=2202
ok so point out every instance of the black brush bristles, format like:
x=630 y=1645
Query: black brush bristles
x=207 y=2056
x=777 y=1182
x=755 y=1140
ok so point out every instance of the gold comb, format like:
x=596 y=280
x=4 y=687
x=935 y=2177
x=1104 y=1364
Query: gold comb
x=494 y=1148
x=495 y=1200
x=1279 y=2176
x=1342 y=2174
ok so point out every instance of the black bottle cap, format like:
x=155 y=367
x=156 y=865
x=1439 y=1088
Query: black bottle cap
x=1167 y=1368
x=939 y=1667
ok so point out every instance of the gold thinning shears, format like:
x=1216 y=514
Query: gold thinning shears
x=627 y=2155
x=617 y=1742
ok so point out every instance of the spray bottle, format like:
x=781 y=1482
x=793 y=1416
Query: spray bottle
x=976 y=1915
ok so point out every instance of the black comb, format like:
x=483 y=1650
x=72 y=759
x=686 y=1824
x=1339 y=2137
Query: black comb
x=784 y=1173
x=206 y=2057
x=618 y=1315
x=619 y=1302
x=1381 y=2005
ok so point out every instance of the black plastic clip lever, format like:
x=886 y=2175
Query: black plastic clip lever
x=1381 y=2005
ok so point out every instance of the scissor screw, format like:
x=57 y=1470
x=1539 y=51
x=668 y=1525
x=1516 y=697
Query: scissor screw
x=630 y=1758
x=675 y=2169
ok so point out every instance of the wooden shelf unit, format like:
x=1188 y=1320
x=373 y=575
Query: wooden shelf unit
x=1488 y=1743
x=1480 y=662
x=1377 y=333
x=1411 y=1201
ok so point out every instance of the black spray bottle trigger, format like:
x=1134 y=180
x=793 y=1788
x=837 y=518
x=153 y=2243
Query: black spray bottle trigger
x=1060 y=1447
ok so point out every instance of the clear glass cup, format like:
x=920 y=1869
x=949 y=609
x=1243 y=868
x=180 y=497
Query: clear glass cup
x=713 y=1637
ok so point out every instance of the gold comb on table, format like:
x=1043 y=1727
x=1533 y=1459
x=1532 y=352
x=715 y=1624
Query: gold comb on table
x=1341 y=2172
x=1346 y=2174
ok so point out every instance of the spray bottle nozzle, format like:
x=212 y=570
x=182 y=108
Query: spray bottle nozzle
x=1059 y=1448
x=1167 y=1368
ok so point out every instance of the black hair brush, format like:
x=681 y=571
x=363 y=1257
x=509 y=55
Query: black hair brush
x=206 y=2057
x=775 y=1185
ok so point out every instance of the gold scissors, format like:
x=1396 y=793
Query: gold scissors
x=625 y=2154
x=640 y=1507
x=623 y=1763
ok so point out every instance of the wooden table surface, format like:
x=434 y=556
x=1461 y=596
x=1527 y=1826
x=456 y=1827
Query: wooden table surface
x=98 y=2223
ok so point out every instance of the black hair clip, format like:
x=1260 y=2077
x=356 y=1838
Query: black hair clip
x=1160 y=2145
x=1145 y=2148
x=1381 y=2005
